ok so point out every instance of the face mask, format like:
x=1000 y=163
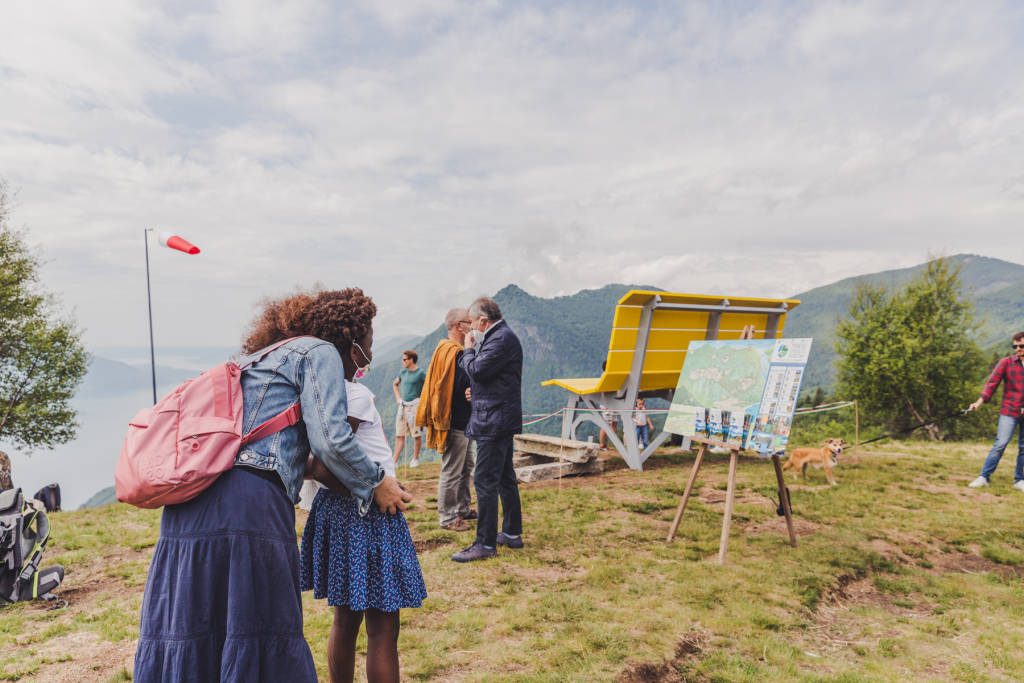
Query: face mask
x=361 y=372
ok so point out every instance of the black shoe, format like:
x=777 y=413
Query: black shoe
x=477 y=551
x=509 y=541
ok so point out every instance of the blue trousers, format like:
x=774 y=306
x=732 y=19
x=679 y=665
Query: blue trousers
x=641 y=434
x=1004 y=431
x=495 y=478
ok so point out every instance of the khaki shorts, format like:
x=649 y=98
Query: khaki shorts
x=405 y=420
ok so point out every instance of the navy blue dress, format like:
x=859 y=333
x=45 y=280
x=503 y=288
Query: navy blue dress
x=222 y=597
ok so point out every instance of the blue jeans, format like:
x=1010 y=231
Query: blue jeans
x=641 y=434
x=495 y=478
x=1003 y=433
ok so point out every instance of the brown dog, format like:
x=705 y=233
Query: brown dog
x=827 y=456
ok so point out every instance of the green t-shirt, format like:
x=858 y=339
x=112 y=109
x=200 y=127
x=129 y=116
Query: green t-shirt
x=411 y=383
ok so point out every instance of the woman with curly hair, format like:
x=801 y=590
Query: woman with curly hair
x=222 y=598
x=365 y=565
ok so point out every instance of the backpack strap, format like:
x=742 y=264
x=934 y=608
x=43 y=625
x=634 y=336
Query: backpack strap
x=273 y=347
x=290 y=416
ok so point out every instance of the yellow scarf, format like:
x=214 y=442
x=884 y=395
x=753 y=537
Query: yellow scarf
x=435 y=409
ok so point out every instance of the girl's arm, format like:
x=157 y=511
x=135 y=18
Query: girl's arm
x=318 y=471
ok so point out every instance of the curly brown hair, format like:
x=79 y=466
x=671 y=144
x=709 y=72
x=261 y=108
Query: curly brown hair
x=337 y=316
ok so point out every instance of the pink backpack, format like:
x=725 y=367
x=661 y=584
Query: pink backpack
x=178 y=447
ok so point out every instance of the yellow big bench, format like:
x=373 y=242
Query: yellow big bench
x=651 y=332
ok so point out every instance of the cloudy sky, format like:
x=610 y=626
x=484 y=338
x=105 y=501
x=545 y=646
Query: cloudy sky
x=436 y=150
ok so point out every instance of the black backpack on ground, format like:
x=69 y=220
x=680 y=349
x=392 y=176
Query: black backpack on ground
x=50 y=495
x=24 y=532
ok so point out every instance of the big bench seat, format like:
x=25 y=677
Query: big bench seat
x=650 y=334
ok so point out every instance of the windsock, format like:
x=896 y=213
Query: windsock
x=174 y=242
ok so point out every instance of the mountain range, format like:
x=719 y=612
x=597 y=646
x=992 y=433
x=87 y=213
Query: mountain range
x=994 y=286
x=563 y=336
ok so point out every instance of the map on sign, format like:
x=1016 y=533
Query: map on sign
x=728 y=375
x=740 y=392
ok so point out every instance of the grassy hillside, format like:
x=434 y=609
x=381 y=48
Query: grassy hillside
x=992 y=284
x=901 y=573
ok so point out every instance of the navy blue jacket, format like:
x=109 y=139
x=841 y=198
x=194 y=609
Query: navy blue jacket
x=495 y=369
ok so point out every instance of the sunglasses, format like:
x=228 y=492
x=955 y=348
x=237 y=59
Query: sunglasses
x=1018 y=346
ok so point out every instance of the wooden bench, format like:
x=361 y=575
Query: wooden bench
x=650 y=334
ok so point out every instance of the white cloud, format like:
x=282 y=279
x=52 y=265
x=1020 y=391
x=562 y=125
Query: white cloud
x=430 y=152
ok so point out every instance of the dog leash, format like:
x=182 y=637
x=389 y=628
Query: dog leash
x=954 y=415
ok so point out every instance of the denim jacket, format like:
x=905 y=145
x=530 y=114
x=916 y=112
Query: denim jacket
x=307 y=370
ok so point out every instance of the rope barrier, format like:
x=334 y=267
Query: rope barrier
x=540 y=417
x=825 y=407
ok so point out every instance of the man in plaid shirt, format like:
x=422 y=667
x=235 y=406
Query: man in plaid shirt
x=1009 y=371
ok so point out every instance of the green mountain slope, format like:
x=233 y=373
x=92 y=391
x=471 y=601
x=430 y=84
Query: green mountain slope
x=993 y=285
x=102 y=497
x=563 y=336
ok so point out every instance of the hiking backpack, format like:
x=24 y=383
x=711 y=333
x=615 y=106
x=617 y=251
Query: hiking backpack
x=50 y=496
x=24 y=532
x=177 y=448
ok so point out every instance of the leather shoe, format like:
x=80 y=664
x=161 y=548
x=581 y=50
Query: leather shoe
x=509 y=541
x=457 y=525
x=470 y=515
x=477 y=551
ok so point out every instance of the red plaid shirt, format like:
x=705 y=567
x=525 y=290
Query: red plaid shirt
x=1010 y=371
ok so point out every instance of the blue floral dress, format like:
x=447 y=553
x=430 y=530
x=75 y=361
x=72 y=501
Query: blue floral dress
x=359 y=562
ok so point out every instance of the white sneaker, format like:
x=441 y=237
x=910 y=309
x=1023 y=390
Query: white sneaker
x=979 y=482
x=415 y=462
x=1019 y=485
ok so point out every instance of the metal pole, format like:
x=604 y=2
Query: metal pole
x=149 y=304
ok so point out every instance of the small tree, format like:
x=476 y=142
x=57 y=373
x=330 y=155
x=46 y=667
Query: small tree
x=907 y=355
x=42 y=360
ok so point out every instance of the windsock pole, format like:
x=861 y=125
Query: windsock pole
x=149 y=304
x=170 y=241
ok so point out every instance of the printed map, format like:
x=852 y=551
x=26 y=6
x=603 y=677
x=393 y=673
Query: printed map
x=725 y=375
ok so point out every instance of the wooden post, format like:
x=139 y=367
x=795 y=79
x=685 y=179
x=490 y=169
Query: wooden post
x=730 y=499
x=856 y=426
x=687 y=492
x=784 y=500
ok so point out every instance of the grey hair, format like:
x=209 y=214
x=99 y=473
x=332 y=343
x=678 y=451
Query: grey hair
x=485 y=307
x=452 y=317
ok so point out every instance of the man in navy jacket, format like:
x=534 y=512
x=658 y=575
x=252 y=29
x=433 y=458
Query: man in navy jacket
x=493 y=359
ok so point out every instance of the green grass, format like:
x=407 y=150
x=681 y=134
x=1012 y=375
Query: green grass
x=907 y=574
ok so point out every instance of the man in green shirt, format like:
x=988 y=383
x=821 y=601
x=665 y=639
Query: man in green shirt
x=408 y=386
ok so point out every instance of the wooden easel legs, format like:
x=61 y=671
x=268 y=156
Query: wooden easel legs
x=784 y=500
x=730 y=500
x=686 y=494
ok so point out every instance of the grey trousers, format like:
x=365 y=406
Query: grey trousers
x=453 y=486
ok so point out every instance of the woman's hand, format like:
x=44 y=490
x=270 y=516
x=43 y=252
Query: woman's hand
x=390 y=496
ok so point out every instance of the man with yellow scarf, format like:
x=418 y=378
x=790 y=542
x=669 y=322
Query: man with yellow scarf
x=444 y=411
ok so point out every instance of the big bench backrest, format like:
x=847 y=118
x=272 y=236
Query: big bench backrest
x=675 y=320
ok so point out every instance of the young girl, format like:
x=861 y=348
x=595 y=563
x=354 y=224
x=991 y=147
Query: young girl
x=642 y=423
x=363 y=565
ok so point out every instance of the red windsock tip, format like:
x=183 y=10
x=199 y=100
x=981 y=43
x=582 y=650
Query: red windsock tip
x=174 y=242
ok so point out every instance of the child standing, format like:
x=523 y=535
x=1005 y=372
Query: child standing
x=642 y=423
x=365 y=566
